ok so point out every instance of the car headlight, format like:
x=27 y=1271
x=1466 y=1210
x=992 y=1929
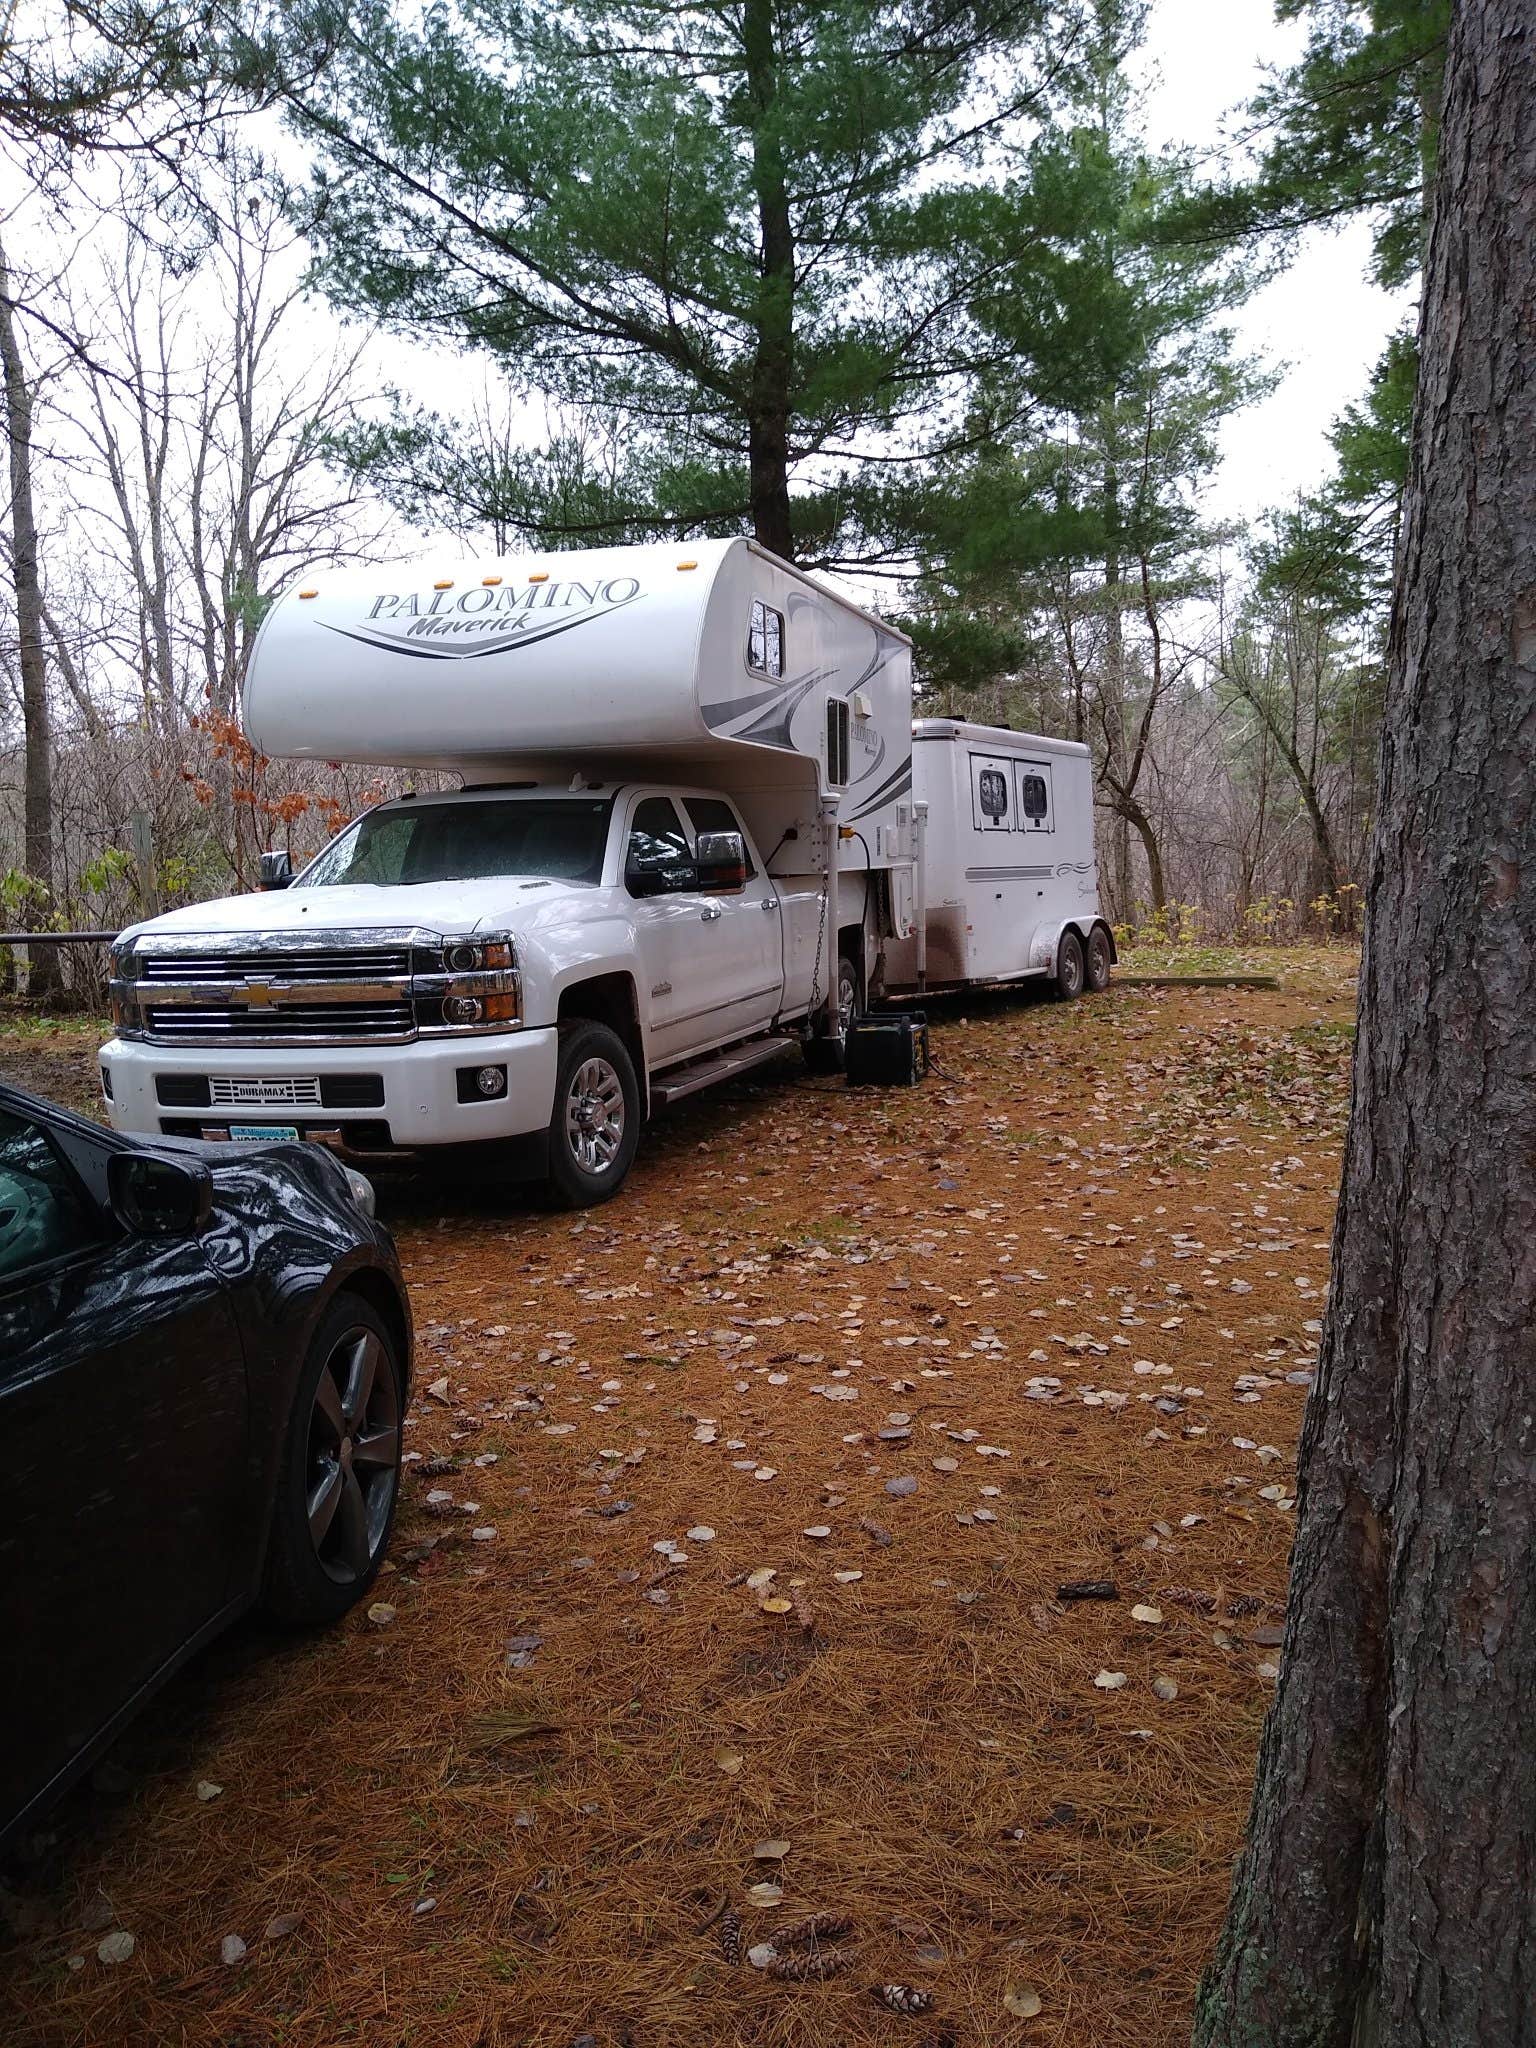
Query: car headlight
x=362 y=1190
x=122 y=991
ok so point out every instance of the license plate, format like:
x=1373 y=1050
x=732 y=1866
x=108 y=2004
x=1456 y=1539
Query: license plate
x=261 y=1134
x=265 y=1094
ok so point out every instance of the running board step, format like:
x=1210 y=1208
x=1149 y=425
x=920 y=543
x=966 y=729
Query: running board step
x=723 y=1066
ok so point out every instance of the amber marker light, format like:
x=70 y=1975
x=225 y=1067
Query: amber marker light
x=687 y=565
x=443 y=586
x=538 y=576
x=309 y=593
x=490 y=582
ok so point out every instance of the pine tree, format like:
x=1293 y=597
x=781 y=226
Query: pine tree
x=757 y=234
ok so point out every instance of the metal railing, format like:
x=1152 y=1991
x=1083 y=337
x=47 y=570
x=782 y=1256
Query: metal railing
x=57 y=938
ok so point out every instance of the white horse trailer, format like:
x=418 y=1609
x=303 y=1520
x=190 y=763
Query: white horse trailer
x=1007 y=879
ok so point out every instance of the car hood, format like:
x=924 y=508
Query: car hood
x=449 y=907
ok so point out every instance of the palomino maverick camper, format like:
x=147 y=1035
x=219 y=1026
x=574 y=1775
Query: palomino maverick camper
x=687 y=836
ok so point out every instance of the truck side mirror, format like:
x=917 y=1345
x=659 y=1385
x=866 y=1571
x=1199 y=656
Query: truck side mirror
x=276 y=870
x=722 y=860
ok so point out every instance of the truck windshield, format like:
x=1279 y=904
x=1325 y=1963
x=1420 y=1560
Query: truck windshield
x=558 y=838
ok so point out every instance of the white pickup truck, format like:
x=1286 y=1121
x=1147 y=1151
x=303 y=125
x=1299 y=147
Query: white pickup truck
x=688 y=837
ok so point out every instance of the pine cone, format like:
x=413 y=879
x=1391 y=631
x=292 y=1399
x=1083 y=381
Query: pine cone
x=904 y=1998
x=434 y=1468
x=1241 y=1604
x=813 y=1929
x=1188 y=1596
x=730 y=1938
x=813 y=1967
x=439 y=1507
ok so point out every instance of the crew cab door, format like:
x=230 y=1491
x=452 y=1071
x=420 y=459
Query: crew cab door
x=123 y=1416
x=711 y=962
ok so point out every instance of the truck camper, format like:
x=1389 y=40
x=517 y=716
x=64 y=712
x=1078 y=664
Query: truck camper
x=687 y=837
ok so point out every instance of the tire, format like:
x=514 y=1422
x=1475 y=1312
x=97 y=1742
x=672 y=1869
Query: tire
x=338 y=1482
x=1097 y=961
x=595 y=1126
x=828 y=1055
x=1069 y=967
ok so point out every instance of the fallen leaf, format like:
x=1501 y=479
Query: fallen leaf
x=1110 y=1681
x=777 y=1605
x=1151 y=1616
x=381 y=1614
x=762 y=1955
x=206 y=1790
x=770 y=1852
x=727 y=1760
x=847 y=1578
x=117 y=1948
x=763 y=1576
x=231 y=1950
x=818 y=1530
x=1165 y=1688
x=765 y=1894
x=281 y=1925
x=1023 y=2001
x=701 y=1534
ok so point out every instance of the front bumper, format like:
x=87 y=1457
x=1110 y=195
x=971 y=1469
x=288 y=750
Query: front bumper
x=415 y=1102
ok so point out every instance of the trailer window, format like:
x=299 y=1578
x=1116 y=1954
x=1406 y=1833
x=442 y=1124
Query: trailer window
x=1033 y=785
x=555 y=838
x=765 y=640
x=837 y=742
x=1032 y=796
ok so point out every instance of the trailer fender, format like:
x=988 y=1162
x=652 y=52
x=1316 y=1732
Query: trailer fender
x=1045 y=946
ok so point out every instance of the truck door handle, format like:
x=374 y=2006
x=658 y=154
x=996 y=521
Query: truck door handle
x=710 y=912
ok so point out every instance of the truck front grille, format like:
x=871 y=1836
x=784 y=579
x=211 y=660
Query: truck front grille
x=374 y=963
x=280 y=1022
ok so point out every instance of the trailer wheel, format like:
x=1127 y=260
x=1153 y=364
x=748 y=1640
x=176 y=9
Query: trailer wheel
x=1069 y=967
x=1097 y=961
x=826 y=1055
x=596 y=1122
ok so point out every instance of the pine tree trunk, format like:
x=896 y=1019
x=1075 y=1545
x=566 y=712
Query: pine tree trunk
x=768 y=404
x=1387 y=1891
x=43 y=976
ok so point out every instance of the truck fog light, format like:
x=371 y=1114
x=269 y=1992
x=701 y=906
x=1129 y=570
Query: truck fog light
x=462 y=1009
x=480 y=1084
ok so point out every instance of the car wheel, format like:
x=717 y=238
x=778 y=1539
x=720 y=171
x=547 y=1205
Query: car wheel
x=1097 y=960
x=1069 y=966
x=339 y=1479
x=828 y=1054
x=596 y=1123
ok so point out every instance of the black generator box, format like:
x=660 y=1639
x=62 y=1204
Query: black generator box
x=889 y=1051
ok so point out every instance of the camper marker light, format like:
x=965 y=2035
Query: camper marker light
x=538 y=575
x=444 y=586
x=687 y=565
x=490 y=582
x=309 y=593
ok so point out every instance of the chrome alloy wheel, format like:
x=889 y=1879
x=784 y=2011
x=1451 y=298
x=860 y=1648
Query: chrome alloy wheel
x=594 y=1116
x=353 y=1456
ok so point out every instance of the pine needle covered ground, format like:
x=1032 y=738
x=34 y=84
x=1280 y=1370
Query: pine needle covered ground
x=784 y=1459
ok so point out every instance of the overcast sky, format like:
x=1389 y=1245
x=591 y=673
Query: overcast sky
x=1322 y=320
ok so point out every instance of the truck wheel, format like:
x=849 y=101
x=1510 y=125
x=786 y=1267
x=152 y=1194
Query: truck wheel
x=596 y=1122
x=1097 y=967
x=1069 y=967
x=826 y=1055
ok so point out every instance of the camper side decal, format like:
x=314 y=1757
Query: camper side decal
x=484 y=618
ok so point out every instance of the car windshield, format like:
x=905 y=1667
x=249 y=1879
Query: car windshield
x=555 y=838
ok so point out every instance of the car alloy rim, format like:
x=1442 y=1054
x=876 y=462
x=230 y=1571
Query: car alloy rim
x=1072 y=968
x=353 y=1461
x=595 y=1116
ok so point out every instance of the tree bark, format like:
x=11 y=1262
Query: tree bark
x=768 y=405
x=43 y=976
x=1387 y=1890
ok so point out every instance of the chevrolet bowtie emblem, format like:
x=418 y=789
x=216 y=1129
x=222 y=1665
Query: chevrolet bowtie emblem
x=258 y=995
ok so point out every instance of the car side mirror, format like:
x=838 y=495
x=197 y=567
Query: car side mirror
x=276 y=869
x=722 y=860
x=152 y=1196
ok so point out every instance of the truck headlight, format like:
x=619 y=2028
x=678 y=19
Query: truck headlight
x=477 y=988
x=122 y=988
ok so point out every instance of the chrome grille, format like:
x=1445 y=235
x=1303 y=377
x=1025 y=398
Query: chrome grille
x=368 y=963
x=192 y=1023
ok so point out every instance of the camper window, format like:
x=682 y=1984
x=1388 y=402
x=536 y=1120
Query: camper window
x=1032 y=796
x=765 y=640
x=837 y=742
x=659 y=857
